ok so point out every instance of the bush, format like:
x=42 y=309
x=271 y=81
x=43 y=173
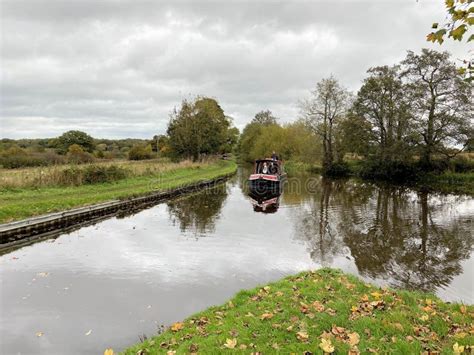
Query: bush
x=461 y=165
x=140 y=152
x=77 y=155
x=14 y=158
x=389 y=170
x=92 y=174
x=340 y=169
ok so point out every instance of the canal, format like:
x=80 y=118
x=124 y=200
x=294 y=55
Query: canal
x=108 y=284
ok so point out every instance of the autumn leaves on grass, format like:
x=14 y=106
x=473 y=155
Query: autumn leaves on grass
x=321 y=312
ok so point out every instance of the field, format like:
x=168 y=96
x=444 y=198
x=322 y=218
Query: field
x=22 y=195
x=318 y=312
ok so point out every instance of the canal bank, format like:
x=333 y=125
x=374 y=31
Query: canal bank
x=33 y=229
x=323 y=311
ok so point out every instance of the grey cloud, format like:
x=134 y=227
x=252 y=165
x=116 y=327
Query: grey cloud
x=117 y=68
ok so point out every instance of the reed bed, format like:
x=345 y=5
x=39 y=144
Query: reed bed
x=73 y=174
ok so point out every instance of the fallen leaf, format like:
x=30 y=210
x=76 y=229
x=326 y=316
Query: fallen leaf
x=458 y=349
x=354 y=338
x=302 y=336
x=230 y=343
x=177 y=326
x=376 y=294
x=463 y=309
x=243 y=346
x=266 y=316
x=170 y=352
x=89 y=332
x=108 y=352
x=326 y=345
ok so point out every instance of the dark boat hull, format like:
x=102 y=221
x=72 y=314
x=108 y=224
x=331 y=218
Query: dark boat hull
x=266 y=185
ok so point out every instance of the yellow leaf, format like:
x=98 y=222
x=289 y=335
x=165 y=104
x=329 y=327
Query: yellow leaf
x=326 y=346
x=463 y=309
x=170 y=352
x=376 y=294
x=354 y=338
x=424 y=317
x=458 y=349
x=230 y=343
x=266 y=316
x=302 y=336
x=108 y=352
x=177 y=326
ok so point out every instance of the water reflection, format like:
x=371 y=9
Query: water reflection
x=198 y=212
x=265 y=203
x=412 y=240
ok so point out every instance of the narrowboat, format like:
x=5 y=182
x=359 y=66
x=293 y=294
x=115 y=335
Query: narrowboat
x=267 y=177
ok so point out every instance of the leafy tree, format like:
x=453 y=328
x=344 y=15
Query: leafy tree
x=381 y=102
x=356 y=135
x=322 y=111
x=265 y=118
x=199 y=127
x=441 y=100
x=69 y=138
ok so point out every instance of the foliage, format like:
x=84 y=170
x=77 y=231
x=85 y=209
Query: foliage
x=338 y=169
x=77 y=155
x=441 y=102
x=389 y=170
x=15 y=157
x=92 y=174
x=321 y=311
x=265 y=118
x=69 y=138
x=198 y=128
x=140 y=152
x=323 y=111
x=382 y=103
x=293 y=141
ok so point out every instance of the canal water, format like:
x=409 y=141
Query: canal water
x=108 y=284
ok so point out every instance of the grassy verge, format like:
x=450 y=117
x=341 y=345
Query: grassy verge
x=18 y=203
x=458 y=183
x=321 y=312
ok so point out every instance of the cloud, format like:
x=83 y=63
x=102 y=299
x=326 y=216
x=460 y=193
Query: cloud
x=117 y=68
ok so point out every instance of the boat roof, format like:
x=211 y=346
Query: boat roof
x=265 y=159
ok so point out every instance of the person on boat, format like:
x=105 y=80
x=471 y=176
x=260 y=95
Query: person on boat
x=274 y=156
x=265 y=168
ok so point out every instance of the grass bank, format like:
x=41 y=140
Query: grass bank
x=319 y=312
x=18 y=203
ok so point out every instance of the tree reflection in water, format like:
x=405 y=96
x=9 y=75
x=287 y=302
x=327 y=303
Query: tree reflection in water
x=392 y=233
x=198 y=212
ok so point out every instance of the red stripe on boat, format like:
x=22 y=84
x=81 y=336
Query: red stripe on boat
x=264 y=177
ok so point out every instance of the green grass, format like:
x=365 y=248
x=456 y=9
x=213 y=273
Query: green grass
x=459 y=183
x=21 y=203
x=315 y=310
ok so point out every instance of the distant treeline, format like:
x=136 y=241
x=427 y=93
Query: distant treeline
x=198 y=129
x=405 y=120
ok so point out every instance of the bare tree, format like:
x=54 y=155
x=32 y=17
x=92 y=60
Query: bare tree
x=322 y=111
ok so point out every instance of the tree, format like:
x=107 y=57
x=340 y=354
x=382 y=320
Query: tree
x=69 y=138
x=442 y=102
x=140 y=152
x=356 y=135
x=322 y=111
x=265 y=118
x=199 y=127
x=381 y=102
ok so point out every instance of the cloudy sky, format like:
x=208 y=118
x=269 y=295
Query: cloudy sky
x=117 y=68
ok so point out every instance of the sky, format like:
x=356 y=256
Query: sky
x=117 y=68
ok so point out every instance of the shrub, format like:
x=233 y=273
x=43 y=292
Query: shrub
x=340 y=169
x=16 y=157
x=93 y=174
x=140 y=152
x=461 y=165
x=77 y=155
x=389 y=170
